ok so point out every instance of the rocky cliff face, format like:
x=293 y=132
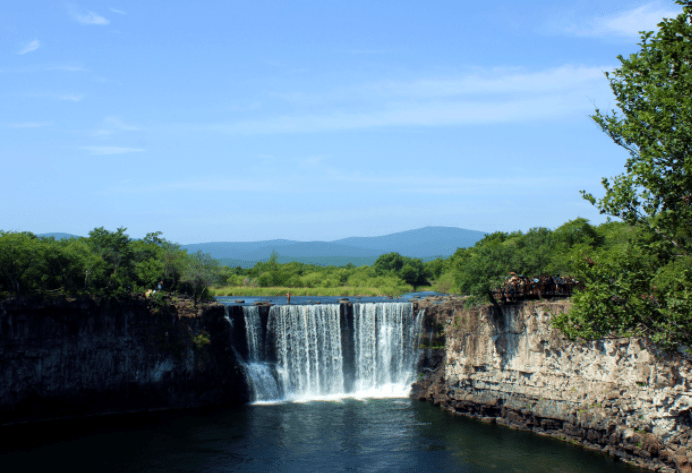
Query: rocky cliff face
x=619 y=396
x=79 y=357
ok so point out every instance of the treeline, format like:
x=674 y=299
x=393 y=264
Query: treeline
x=391 y=273
x=476 y=271
x=106 y=263
x=473 y=271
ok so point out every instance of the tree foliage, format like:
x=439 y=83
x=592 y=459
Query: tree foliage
x=540 y=251
x=645 y=288
x=106 y=263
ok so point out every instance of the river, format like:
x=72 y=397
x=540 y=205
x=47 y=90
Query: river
x=388 y=435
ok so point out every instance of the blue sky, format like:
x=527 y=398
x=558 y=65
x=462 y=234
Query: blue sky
x=307 y=120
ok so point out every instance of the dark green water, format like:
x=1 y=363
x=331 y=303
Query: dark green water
x=385 y=435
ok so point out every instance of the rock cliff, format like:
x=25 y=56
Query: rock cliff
x=507 y=365
x=70 y=357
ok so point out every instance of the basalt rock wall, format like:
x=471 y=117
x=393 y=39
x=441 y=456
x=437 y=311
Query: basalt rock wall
x=509 y=366
x=66 y=358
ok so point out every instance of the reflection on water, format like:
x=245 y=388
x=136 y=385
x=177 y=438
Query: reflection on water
x=349 y=435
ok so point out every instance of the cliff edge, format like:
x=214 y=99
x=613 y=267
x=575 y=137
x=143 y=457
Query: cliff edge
x=507 y=365
x=68 y=357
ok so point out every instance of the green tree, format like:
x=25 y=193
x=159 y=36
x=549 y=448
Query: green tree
x=390 y=262
x=652 y=90
x=116 y=257
x=20 y=261
x=414 y=273
x=201 y=271
x=646 y=289
x=479 y=269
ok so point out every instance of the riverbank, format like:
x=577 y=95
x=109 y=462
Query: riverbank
x=78 y=357
x=508 y=366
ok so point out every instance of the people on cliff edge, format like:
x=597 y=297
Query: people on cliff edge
x=288 y=297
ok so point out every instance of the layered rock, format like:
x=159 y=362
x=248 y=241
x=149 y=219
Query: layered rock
x=507 y=365
x=94 y=356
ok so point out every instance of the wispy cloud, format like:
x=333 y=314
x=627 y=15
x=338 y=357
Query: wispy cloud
x=102 y=150
x=626 y=23
x=112 y=125
x=43 y=68
x=356 y=182
x=120 y=12
x=366 y=51
x=483 y=96
x=32 y=46
x=494 y=81
x=88 y=18
x=29 y=125
x=70 y=97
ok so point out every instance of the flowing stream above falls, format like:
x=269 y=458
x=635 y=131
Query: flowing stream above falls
x=331 y=351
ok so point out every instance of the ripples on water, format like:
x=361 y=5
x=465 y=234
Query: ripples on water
x=321 y=436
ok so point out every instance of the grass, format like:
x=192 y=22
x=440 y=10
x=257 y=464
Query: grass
x=311 y=291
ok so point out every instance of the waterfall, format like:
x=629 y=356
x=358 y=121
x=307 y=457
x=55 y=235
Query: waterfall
x=253 y=328
x=331 y=351
x=261 y=375
x=308 y=346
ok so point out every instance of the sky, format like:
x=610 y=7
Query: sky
x=246 y=120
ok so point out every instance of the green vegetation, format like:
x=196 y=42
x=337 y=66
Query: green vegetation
x=104 y=264
x=476 y=271
x=201 y=340
x=644 y=288
x=273 y=279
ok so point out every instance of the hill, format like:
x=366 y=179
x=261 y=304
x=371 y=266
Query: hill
x=57 y=236
x=426 y=243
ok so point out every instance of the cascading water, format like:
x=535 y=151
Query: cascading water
x=326 y=351
x=308 y=347
x=386 y=337
x=260 y=374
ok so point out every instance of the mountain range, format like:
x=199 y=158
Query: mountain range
x=426 y=243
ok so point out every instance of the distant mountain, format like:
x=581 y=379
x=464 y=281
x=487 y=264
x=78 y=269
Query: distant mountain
x=425 y=243
x=58 y=236
x=238 y=249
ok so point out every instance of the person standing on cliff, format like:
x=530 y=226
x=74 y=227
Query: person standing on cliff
x=288 y=296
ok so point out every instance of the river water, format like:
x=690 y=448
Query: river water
x=378 y=435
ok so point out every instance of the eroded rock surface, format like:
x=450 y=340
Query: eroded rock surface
x=78 y=357
x=509 y=366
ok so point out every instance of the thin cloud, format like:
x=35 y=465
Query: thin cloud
x=496 y=81
x=29 y=125
x=112 y=125
x=105 y=150
x=117 y=123
x=627 y=23
x=43 y=68
x=302 y=184
x=366 y=51
x=491 y=96
x=70 y=97
x=120 y=12
x=478 y=82
x=89 y=18
x=32 y=46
